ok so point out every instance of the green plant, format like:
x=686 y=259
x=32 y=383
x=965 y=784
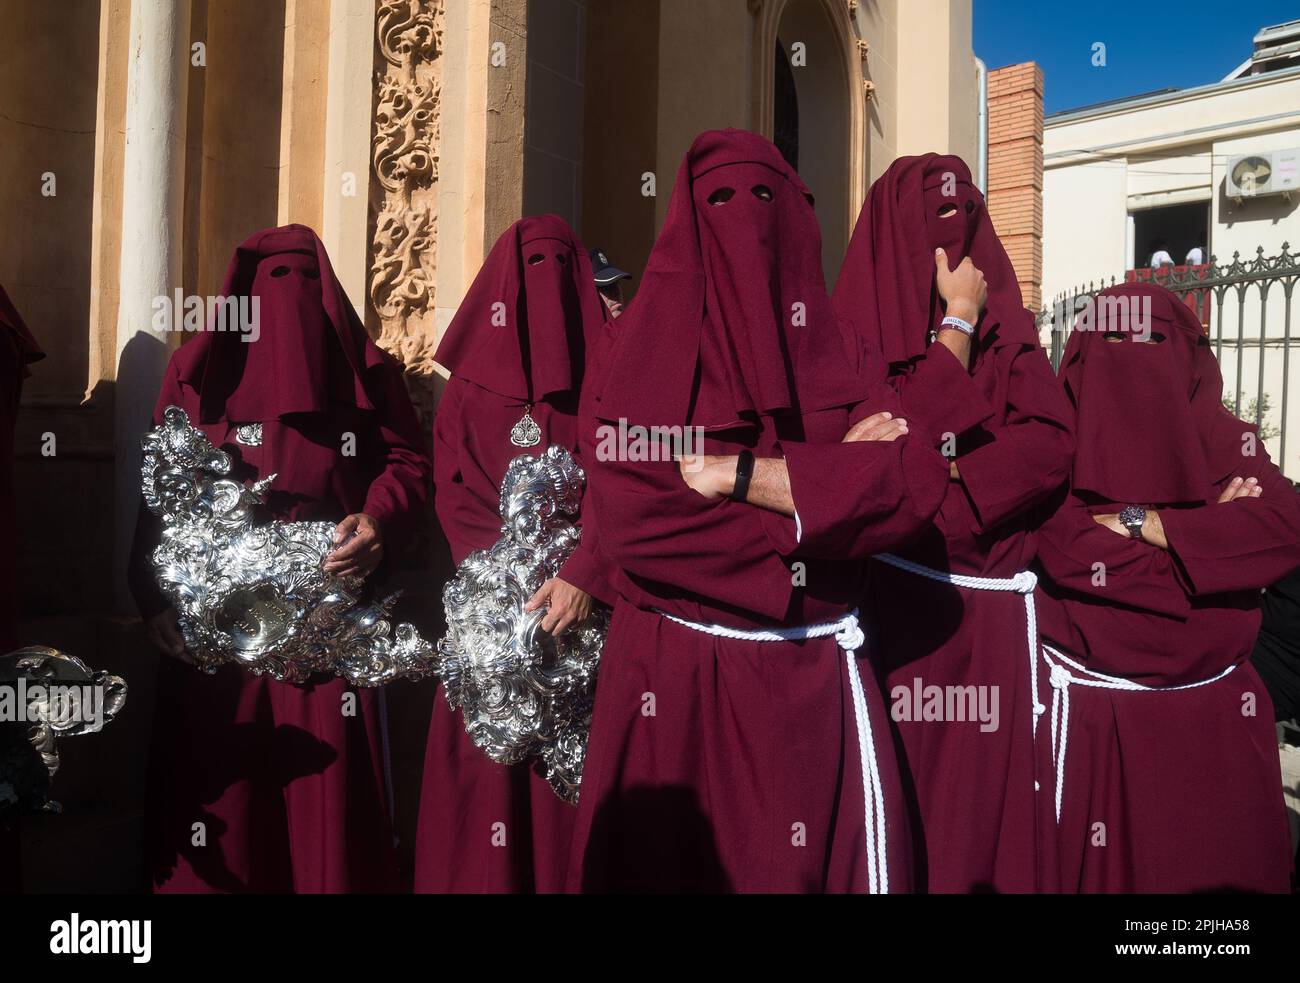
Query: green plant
x=1256 y=408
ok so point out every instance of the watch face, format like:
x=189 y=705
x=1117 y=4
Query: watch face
x=1132 y=517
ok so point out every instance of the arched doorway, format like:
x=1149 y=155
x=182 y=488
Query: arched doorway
x=808 y=101
x=785 y=107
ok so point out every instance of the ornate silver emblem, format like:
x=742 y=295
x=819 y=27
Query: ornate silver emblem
x=523 y=693
x=250 y=435
x=254 y=594
x=526 y=433
x=51 y=695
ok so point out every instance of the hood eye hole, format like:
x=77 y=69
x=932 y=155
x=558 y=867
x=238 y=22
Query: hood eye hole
x=1113 y=336
x=311 y=274
x=946 y=210
x=536 y=258
x=1156 y=338
x=721 y=196
x=561 y=258
x=762 y=192
x=280 y=271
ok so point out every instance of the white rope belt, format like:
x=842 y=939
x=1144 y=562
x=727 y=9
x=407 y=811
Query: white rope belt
x=1062 y=679
x=848 y=635
x=1022 y=583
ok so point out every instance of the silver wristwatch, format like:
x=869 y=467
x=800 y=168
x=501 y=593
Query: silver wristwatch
x=1132 y=517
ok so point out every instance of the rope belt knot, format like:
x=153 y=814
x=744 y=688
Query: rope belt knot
x=849 y=637
x=1062 y=679
x=1023 y=583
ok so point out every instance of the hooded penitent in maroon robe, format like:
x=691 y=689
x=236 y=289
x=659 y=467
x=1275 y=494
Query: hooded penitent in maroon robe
x=287 y=780
x=1004 y=421
x=517 y=344
x=716 y=763
x=1176 y=790
x=17 y=350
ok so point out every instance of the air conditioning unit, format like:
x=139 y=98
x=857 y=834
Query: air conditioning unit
x=1271 y=172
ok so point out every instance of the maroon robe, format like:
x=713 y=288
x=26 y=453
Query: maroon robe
x=17 y=350
x=288 y=780
x=971 y=788
x=1179 y=790
x=483 y=826
x=715 y=763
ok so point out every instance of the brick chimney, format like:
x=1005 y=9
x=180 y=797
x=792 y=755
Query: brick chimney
x=1015 y=191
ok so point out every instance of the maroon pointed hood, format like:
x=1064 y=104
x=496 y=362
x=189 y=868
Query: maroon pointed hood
x=312 y=348
x=732 y=321
x=1149 y=419
x=529 y=317
x=886 y=286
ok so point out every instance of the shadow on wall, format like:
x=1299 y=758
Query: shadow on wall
x=1271 y=209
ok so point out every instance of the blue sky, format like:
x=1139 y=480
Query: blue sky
x=1149 y=45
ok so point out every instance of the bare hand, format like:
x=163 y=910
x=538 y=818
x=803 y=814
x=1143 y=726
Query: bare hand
x=1238 y=488
x=566 y=605
x=708 y=474
x=878 y=426
x=358 y=555
x=963 y=290
x=165 y=632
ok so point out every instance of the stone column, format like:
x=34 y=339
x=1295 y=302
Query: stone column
x=345 y=182
x=152 y=208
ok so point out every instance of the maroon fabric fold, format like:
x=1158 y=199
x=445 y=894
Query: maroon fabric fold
x=731 y=320
x=525 y=324
x=888 y=287
x=23 y=340
x=18 y=349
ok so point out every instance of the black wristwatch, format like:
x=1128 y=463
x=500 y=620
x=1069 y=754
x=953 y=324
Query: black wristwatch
x=1132 y=518
x=744 y=471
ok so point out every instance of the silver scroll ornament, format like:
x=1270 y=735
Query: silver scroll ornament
x=254 y=594
x=46 y=695
x=523 y=693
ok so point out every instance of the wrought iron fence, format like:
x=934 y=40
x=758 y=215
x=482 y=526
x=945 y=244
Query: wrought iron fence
x=1229 y=299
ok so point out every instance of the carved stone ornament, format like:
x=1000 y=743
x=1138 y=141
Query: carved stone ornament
x=399 y=283
x=403 y=195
